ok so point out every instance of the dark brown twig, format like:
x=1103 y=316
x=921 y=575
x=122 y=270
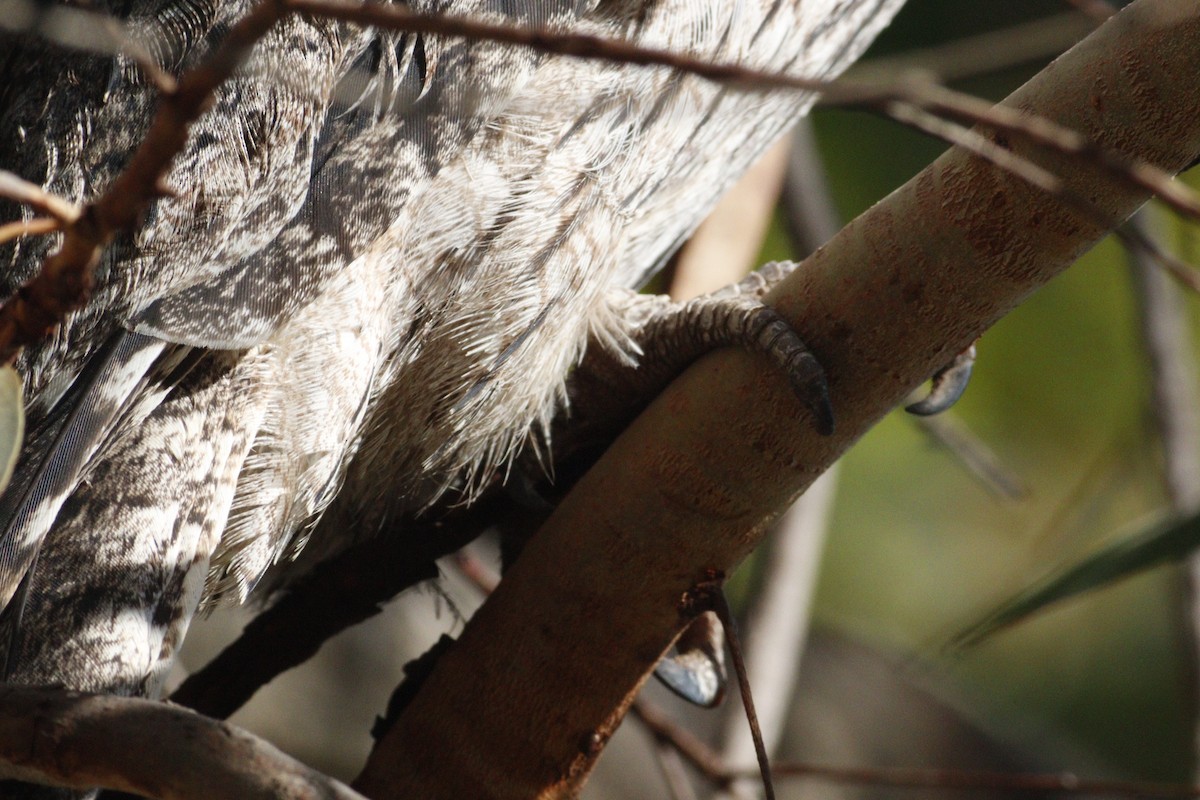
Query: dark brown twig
x=703 y=758
x=337 y=594
x=720 y=604
x=922 y=93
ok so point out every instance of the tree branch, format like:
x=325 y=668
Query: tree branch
x=83 y=740
x=523 y=704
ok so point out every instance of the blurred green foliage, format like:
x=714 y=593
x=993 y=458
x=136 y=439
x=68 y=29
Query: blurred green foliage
x=919 y=548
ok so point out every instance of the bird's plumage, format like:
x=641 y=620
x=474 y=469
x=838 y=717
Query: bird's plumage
x=385 y=255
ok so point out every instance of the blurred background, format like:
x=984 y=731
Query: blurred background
x=909 y=545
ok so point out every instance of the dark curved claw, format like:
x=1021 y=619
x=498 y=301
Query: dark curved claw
x=740 y=320
x=949 y=383
x=765 y=331
x=810 y=385
x=696 y=669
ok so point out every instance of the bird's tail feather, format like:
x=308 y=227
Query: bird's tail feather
x=73 y=430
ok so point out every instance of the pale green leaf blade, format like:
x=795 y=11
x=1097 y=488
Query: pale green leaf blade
x=1172 y=540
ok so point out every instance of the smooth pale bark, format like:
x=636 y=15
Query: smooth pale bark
x=523 y=704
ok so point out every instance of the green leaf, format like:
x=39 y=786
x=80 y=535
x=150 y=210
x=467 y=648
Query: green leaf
x=1172 y=540
x=12 y=422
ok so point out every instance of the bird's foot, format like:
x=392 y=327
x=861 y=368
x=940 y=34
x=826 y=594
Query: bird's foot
x=675 y=334
x=667 y=336
x=609 y=388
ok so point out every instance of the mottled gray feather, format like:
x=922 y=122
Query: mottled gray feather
x=57 y=456
x=385 y=256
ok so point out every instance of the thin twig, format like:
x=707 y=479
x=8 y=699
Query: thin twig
x=703 y=758
x=913 y=90
x=1137 y=242
x=29 y=194
x=37 y=226
x=65 y=280
x=778 y=624
x=729 y=622
x=950 y=105
x=559 y=42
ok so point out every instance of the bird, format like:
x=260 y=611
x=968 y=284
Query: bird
x=380 y=258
